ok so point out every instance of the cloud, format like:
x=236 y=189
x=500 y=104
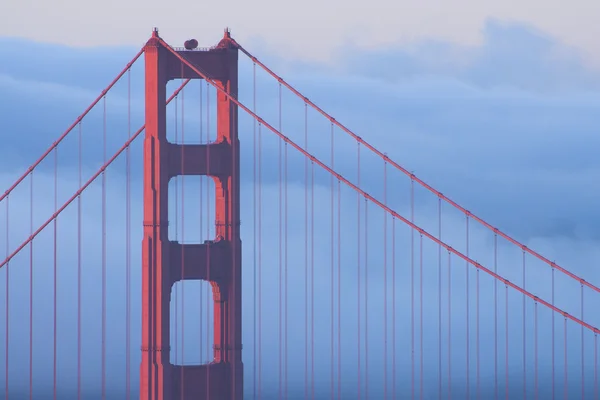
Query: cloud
x=512 y=55
x=517 y=131
x=520 y=155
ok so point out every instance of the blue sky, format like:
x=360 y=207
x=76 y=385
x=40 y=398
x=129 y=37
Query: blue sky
x=506 y=128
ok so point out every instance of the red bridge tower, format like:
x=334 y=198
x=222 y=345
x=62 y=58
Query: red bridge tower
x=165 y=262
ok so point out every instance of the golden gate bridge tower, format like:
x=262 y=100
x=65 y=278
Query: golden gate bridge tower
x=166 y=262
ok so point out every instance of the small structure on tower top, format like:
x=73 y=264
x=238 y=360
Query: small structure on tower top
x=190 y=44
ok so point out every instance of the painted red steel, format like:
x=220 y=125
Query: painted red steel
x=164 y=262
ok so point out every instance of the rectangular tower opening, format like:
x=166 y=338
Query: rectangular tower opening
x=191 y=324
x=192 y=115
x=191 y=209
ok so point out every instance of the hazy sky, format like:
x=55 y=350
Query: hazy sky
x=307 y=30
x=494 y=104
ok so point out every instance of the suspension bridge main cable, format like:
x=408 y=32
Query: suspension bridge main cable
x=374 y=200
x=72 y=126
x=82 y=187
x=410 y=174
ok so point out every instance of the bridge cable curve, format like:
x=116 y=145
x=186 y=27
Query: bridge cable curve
x=413 y=176
x=85 y=185
x=379 y=203
x=73 y=125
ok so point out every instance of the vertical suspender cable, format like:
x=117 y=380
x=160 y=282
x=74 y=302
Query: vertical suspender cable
x=566 y=366
x=79 y=251
x=286 y=269
x=339 y=279
x=553 y=339
x=440 y=300
x=104 y=252
x=332 y=287
x=393 y=307
x=280 y=254
x=468 y=340
x=582 y=350
x=495 y=317
x=535 y=348
x=55 y=223
x=421 y=316
x=128 y=248
x=358 y=276
x=312 y=280
x=7 y=297
x=260 y=260
x=254 y=227
x=366 y=299
x=524 y=335
x=182 y=155
x=305 y=255
x=595 y=366
x=506 y=392
x=385 y=284
x=477 y=358
x=449 y=326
